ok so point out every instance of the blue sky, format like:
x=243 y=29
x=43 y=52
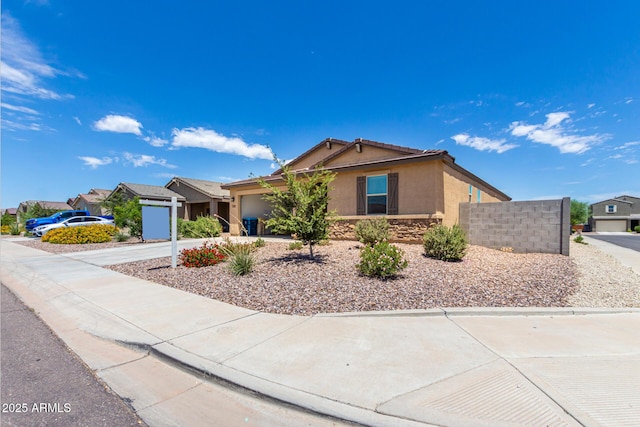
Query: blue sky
x=540 y=99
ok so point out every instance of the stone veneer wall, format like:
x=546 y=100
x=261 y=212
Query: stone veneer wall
x=540 y=226
x=408 y=230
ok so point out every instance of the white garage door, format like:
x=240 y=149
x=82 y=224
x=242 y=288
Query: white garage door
x=611 y=225
x=253 y=206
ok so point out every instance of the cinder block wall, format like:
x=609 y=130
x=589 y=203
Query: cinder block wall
x=540 y=226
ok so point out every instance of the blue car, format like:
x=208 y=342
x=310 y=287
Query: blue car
x=53 y=219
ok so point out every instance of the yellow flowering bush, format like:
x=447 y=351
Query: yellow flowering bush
x=6 y=229
x=99 y=233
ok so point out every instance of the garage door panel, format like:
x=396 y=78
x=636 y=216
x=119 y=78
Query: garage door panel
x=612 y=225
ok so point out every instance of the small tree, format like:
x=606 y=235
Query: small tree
x=37 y=211
x=126 y=213
x=301 y=209
x=579 y=212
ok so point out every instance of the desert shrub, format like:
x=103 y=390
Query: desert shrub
x=259 y=243
x=5 y=229
x=241 y=263
x=203 y=227
x=580 y=239
x=202 y=256
x=15 y=229
x=372 y=230
x=230 y=248
x=382 y=259
x=121 y=237
x=295 y=246
x=637 y=228
x=98 y=233
x=444 y=243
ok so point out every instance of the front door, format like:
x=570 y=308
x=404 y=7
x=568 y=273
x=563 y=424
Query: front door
x=223 y=212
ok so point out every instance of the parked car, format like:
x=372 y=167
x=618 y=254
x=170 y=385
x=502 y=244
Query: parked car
x=53 y=219
x=76 y=221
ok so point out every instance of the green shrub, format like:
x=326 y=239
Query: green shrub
x=444 y=243
x=295 y=246
x=230 y=248
x=381 y=259
x=637 y=228
x=580 y=239
x=202 y=256
x=372 y=230
x=259 y=243
x=15 y=229
x=121 y=237
x=202 y=228
x=80 y=235
x=241 y=263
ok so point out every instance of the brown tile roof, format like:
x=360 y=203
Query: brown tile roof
x=210 y=188
x=310 y=150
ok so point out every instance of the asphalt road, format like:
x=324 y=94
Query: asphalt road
x=43 y=383
x=629 y=241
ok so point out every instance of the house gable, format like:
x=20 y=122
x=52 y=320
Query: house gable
x=197 y=190
x=315 y=155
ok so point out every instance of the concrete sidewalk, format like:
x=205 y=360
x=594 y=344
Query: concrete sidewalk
x=476 y=367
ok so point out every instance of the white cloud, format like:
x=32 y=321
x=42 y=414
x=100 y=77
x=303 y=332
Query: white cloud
x=553 y=133
x=628 y=100
x=94 y=162
x=19 y=109
x=483 y=144
x=23 y=68
x=77 y=120
x=626 y=145
x=213 y=141
x=155 y=141
x=591 y=105
x=119 y=124
x=144 y=160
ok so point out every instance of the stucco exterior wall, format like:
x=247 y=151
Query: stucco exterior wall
x=235 y=207
x=315 y=156
x=456 y=185
x=419 y=188
x=367 y=153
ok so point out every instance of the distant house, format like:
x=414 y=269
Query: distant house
x=24 y=206
x=412 y=188
x=617 y=214
x=91 y=201
x=9 y=211
x=202 y=198
x=149 y=192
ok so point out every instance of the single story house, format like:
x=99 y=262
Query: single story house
x=617 y=214
x=202 y=198
x=57 y=206
x=149 y=192
x=412 y=188
x=10 y=211
x=91 y=201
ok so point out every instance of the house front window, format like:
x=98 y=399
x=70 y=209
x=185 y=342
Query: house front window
x=377 y=194
x=611 y=208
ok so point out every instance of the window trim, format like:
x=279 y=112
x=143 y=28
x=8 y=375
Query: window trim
x=613 y=210
x=386 y=194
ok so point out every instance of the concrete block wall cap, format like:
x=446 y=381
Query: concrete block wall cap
x=273 y=390
x=533 y=311
x=390 y=313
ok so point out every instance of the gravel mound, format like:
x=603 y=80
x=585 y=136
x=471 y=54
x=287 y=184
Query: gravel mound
x=288 y=282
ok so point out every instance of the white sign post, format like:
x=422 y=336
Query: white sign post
x=174 y=204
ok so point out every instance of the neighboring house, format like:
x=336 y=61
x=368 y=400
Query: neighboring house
x=24 y=206
x=412 y=188
x=91 y=201
x=617 y=214
x=9 y=211
x=203 y=198
x=148 y=192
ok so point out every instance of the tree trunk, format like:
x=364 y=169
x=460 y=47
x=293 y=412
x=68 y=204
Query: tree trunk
x=311 y=250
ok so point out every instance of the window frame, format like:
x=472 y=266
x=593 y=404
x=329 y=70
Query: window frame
x=613 y=209
x=385 y=194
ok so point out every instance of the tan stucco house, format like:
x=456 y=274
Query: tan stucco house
x=202 y=198
x=615 y=215
x=412 y=188
x=91 y=201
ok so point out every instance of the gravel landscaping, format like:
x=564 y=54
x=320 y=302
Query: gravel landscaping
x=288 y=282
